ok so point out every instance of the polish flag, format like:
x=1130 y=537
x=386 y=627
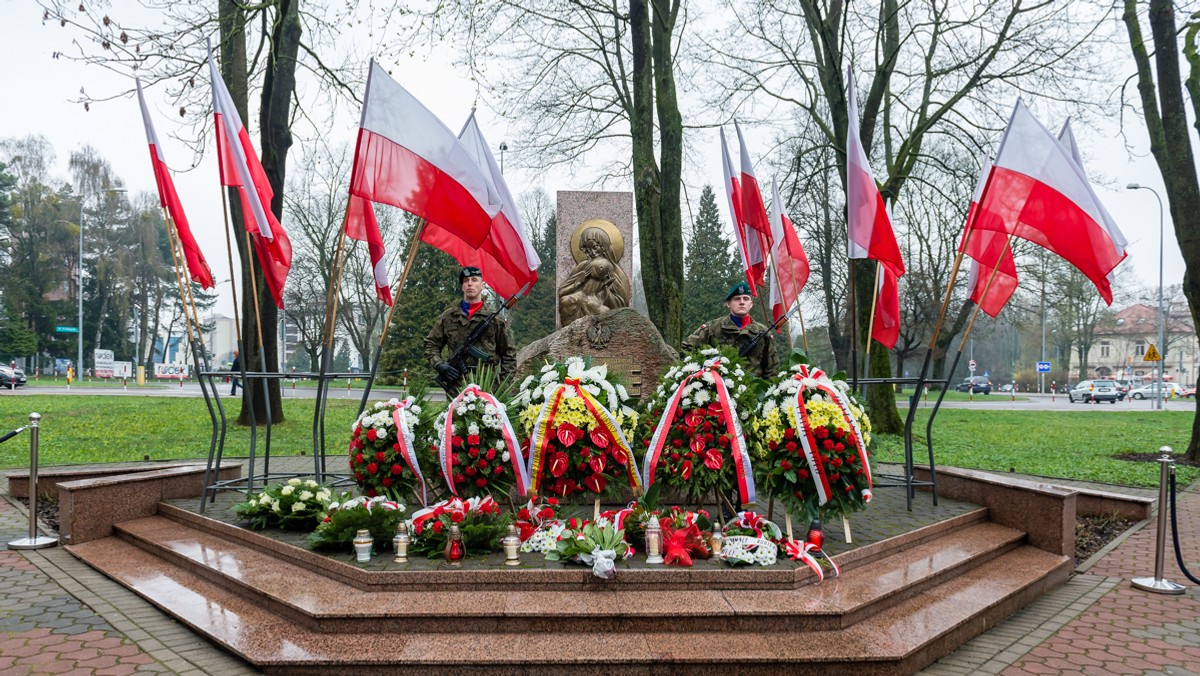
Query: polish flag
x=754 y=211
x=506 y=255
x=868 y=228
x=169 y=199
x=788 y=259
x=362 y=226
x=749 y=244
x=988 y=250
x=886 y=329
x=241 y=169
x=407 y=158
x=1038 y=192
x=1067 y=137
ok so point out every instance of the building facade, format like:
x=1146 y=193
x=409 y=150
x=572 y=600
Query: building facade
x=1122 y=342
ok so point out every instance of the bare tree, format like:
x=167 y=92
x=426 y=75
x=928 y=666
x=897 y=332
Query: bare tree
x=930 y=68
x=1166 y=116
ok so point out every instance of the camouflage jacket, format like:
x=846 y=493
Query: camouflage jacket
x=450 y=330
x=763 y=360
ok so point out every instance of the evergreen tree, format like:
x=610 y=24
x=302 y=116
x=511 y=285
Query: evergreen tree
x=431 y=287
x=711 y=266
x=533 y=317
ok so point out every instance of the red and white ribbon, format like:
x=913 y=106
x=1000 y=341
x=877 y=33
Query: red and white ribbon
x=404 y=439
x=804 y=552
x=468 y=506
x=446 y=452
x=808 y=441
x=733 y=429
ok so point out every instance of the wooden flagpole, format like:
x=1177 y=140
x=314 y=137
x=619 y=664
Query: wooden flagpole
x=412 y=256
x=803 y=332
x=871 y=323
x=237 y=323
x=327 y=349
x=986 y=287
x=262 y=355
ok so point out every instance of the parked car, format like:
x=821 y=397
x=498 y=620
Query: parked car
x=975 y=384
x=1123 y=387
x=1189 y=392
x=1094 y=390
x=1006 y=387
x=8 y=375
x=1151 y=390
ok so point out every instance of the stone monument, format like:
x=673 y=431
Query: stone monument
x=621 y=338
x=595 y=253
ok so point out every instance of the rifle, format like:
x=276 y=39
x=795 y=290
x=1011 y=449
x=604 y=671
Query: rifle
x=749 y=347
x=458 y=359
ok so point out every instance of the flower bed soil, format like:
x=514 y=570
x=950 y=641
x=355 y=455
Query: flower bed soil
x=1092 y=533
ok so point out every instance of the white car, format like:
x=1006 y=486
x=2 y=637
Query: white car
x=1148 y=391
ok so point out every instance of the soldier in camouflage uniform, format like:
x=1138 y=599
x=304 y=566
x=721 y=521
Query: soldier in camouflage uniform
x=451 y=328
x=737 y=329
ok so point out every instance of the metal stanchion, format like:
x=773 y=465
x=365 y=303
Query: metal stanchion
x=34 y=541
x=1157 y=584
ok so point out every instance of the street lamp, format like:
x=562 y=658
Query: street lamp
x=503 y=147
x=79 y=326
x=1159 y=391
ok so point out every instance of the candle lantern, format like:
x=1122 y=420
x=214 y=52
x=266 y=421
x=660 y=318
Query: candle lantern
x=400 y=543
x=362 y=545
x=716 y=541
x=512 y=547
x=815 y=536
x=654 y=541
x=454 y=551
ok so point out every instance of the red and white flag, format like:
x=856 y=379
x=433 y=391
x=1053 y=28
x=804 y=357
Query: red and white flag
x=1038 y=192
x=749 y=244
x=886 y=329
x=240 y=168
x=506 y=255
x=1067 y=137
x=407 y=158
x=868 y=228
x=754 y=210
x=362 y=225
x=169 y=199
x=988 y=251
x=788 y=260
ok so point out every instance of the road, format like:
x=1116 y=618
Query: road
x=1038 y=402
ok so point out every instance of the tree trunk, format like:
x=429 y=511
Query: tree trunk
x=670 y=221
x=1171 y=144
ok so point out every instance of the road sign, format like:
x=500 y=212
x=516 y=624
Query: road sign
x=1152 y=354
x=986 y=374
x=66 y=329
x=971 y=366
x=1043 y=367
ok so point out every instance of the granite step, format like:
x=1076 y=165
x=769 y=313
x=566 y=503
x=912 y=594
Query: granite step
x=900 y=639
x=310 y=598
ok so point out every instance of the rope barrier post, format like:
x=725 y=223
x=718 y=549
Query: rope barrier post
x=1158 y=584
x=34 y=541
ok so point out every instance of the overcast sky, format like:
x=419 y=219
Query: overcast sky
x=39 y=90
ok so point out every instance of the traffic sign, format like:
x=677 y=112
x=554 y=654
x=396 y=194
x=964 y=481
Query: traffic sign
x=971 y=366
x=1043 y=367
x=1152 y=354
x=66 y=329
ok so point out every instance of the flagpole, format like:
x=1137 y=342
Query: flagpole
x=986 y=287
x=184 y=281
x=412 y=256
x=853 y=326
x=803 y=332
x=871 y=324
x=262 y=357
x=327 y=349
x=237 y=324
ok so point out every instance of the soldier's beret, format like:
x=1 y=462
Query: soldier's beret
x=739 y=289
x=469 y=271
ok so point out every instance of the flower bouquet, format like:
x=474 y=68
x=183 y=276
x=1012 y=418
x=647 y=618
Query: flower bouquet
x=539 y=526
x=592 y=544
x=378 y=515
x=812 y=439
x=384 y=452
x=696 y=445
x=297 y=504
x=576 y=422
x=480 y=520
x=750 y=539
x=684 y=536
x=477 y=447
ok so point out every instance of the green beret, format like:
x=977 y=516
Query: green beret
x=739 y=289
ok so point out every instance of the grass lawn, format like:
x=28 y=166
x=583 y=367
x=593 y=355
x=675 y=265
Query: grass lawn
x=1067 y=444
x=83 y=429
